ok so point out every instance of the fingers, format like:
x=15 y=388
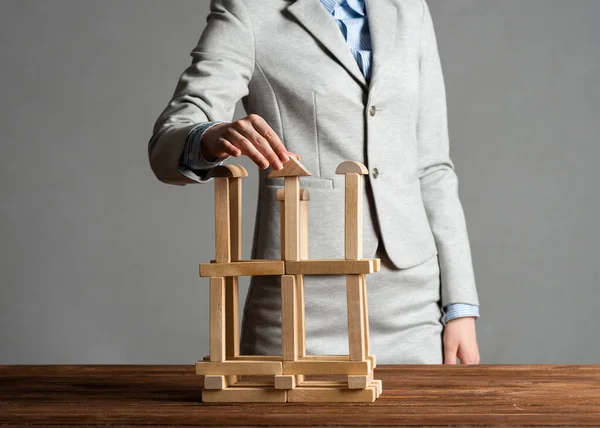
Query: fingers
x=469 y=354
x=228 y=148
x=261 y=144
x=271 y=138
x=450 y=352
x=247 y=148
x=253 y=137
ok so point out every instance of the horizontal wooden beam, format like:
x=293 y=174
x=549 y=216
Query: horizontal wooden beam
x=243 y=268
x=247 y=368
x=256 y=358
x=332 y=394
x=325 y=358
x=331 y=267
x=315 y=367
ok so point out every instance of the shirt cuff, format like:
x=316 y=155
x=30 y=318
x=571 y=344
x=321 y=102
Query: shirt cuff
x=192 y=164
x=458 y=310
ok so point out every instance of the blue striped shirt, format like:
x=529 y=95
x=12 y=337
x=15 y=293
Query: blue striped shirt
x=351 y=17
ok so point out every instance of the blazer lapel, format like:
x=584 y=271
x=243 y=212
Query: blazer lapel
x=382 y=16
x=314 y=18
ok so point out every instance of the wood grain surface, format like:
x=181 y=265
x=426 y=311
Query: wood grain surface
x=417 y=395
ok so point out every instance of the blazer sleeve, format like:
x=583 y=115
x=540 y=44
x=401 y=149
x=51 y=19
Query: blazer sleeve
x=208 y=90
x=439 y=182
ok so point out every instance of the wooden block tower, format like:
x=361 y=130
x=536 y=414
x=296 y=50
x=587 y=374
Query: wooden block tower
x=286 y=378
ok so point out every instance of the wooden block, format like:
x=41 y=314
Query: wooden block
x=300 y=312
x=232 y=324
x=326 y=383
x=257 y=358
x=292 y=168
x=360 y=381
x=363 y=283
x=235 y=216
x=216 y=382
x=379 y=385
x=282 y=228
x=300 y=316
x=303 y=236
x=303 y=224
x=351 y=167
x=292 y=218
x=327 y=394
x=331 y=267
x=227 y=171
x=241 y=368
x=231 y=283
x=315 y=367
x=289 y=332
x=356 y=322
x=217 y=320
x=243 y=268
x=353 y=217
x=304 y=194
x=285 y=382
x=373 y=360
x=254 y=384
x=325 y=358
x=222 y=231
x=245 y=394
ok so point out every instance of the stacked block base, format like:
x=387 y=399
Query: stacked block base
x=289 y=381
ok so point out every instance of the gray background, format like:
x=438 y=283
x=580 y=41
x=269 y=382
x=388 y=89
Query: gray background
x=93 y=269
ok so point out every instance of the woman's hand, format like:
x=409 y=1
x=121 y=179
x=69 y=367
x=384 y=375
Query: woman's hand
x=460 y=341
x=250 y=136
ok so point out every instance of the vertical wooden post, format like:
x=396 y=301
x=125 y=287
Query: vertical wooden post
x=292 y=217
x=304 y=198
x=282 y=226
x=356 y=318
x=355 y=284
x=231 y=283
x=353 y=251
x=222 y=222
x=363 y=282
x=292 y=248
x=217 y=285
x=217 y=319
x=288 y=283
x=300 y=278
x=353 y=216
x=291 y=381
x=224 y=335
x=289 y=338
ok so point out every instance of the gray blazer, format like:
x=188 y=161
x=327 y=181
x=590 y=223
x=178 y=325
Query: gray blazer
x=288 y=62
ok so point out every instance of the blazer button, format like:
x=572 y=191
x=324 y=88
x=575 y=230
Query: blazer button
x=375 y=173
x=372 y=111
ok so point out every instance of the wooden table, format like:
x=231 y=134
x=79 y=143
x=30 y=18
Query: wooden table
x=514 y=395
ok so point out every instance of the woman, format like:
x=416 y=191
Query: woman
x=331 y=81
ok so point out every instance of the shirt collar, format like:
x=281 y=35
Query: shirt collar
x=357 y=6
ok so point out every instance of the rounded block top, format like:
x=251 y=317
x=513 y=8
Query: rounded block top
x=351 y=167
x=227 y=171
